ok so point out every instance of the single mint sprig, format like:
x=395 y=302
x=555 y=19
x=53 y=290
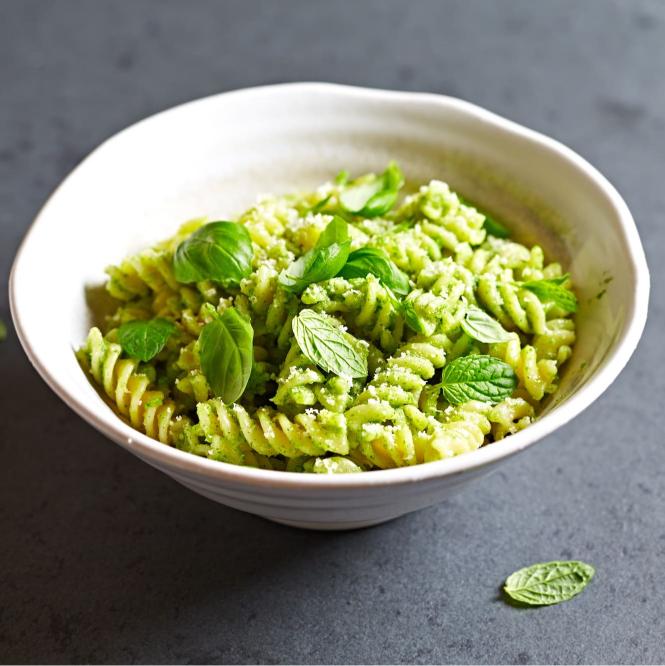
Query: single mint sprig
x=552 y=290
x=548 y=583
x=477 y=377
x=327 y=345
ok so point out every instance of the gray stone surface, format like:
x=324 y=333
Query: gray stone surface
x=103 y=559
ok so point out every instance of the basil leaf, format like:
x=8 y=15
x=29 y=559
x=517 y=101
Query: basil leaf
x=375 y=197
x=145 y=339
x=477 y=377
x=554 y=291
x=480 y=326
x=227 y=354
x=218 y=251
x=412 y=319
x=377 y=262
x=495 y=228
x=549 y=582
x=326 y=344
x=323 y=261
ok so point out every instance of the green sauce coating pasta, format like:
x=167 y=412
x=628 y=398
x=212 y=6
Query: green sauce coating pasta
x=295 y=416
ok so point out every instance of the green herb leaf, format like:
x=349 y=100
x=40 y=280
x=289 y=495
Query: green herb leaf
x=495 y=228
x=145 y=339
x=342 y=177
x=477 y=377
x=480 y=326
x=323 y=261
x=553 y=290
x=320 y=205
x=375 y=197
x=218 y=251
x=549 y=582
x=372 y=260
x=324 y=343
x=227 y=354
x=412 y=319
x=3 y=331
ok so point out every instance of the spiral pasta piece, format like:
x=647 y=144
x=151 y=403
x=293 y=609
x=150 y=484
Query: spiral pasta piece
x=130 y=391
x=331 y=465
x=270 y=307
x=440 y=223
x=272 y=433
x=536 y=375
x=510 y=416
x=302 y=385
x=400 y=380
x=365 y=306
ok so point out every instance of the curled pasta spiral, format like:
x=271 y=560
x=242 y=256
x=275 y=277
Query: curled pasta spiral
x=267 y=223
x=271 y=433
x=386 y=424
x=302 y=385
x=463 y=430
x=400 y=380
x=441 y=223
x=510 y=416
x=512 y=306
x=387 y=436
x=140 y=274
x=535 y=375
x=129 y=390
x=270 y=307
x=150 y=273
x=327 y=465
x=365 y=306
x=556 y=343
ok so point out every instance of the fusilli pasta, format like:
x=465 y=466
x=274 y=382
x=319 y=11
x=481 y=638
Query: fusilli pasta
x=297 y=410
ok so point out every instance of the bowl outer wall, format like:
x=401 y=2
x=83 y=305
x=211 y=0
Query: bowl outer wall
x=348 y=491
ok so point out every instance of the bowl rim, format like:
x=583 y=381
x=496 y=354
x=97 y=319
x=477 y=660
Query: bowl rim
x=158 y=454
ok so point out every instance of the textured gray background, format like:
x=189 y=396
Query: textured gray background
x=103 y=559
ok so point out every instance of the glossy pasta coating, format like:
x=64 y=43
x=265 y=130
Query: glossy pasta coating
x=294 y=415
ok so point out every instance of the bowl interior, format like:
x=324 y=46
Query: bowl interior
x=214 y=156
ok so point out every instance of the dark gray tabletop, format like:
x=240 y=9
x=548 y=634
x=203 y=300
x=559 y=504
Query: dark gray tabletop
x=103 y=559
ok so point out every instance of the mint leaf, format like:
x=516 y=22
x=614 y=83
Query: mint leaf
x=480 y=326
x=218 y=251
x=323 y=261
x=477 y=377
x=553 y=291
x=495 y=228
x=327 y=345
x=375 y=197
x=549 y=582
x=227 y=354
x=145 y=339
x=377 y=262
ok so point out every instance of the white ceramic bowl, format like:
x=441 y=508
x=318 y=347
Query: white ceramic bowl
x=213 y=156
